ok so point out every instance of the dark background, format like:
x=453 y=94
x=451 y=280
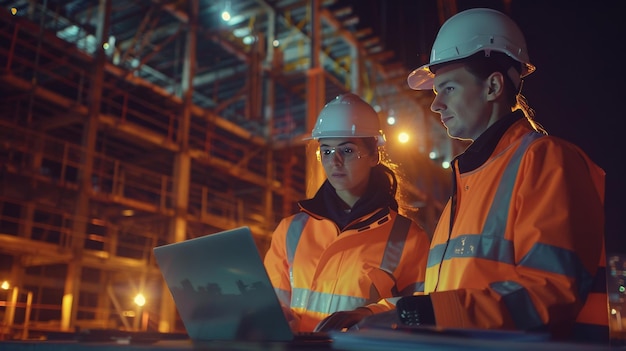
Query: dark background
x=578 y=88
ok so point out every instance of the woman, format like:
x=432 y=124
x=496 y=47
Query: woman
x=348 y=249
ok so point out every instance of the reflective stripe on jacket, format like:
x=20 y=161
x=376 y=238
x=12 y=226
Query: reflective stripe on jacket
x=521 y=250
x=318 y=270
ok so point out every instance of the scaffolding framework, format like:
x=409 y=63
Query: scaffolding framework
x=108 y=150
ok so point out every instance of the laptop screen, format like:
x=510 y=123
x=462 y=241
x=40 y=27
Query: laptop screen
x=221 y=289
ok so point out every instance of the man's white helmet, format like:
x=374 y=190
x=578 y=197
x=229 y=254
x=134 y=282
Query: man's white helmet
x=348 y=116
x=471 y=31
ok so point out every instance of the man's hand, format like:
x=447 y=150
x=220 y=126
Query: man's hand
x=416 y=310
x=342 y=320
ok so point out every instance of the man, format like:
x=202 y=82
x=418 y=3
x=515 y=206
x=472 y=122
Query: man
x=520 y=243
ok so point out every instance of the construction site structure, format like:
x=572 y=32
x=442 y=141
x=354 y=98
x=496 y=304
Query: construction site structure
x=126 y=125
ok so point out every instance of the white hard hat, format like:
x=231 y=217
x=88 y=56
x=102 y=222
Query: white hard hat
x=471 y=31
x=348 y=116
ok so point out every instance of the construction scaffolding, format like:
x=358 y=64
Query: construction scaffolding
x=128 y=125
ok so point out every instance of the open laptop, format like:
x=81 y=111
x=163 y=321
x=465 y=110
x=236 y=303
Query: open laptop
x=222 y=291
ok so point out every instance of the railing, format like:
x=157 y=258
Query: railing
x=17 y=308
x=24 y=151
x=56 y=76
x=61 y=68
x=49 y=62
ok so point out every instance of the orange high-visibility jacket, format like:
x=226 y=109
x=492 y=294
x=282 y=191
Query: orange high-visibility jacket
x=317 y=269
x=523 y=246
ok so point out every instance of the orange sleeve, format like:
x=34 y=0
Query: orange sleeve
x=275 y=261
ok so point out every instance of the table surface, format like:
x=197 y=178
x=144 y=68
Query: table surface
x=362 y=340
x=165 y=345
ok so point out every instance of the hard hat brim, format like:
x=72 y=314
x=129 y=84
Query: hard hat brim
x=421 y=78
x=380 y=139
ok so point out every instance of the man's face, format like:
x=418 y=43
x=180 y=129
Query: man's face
x=461 y=100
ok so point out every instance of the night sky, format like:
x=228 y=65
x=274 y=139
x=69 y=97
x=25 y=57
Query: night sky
x=577 y=89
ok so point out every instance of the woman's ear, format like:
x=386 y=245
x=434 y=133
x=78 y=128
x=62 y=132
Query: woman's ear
x=377 y=160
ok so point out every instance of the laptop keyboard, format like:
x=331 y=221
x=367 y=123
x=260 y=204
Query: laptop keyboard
x=312 y=336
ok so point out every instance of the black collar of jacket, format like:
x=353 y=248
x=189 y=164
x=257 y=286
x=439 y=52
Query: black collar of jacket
x=482 y=148
x=326 y=203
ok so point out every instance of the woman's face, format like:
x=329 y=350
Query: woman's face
x=347 y=163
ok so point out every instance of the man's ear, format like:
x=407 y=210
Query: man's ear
x=495 y=85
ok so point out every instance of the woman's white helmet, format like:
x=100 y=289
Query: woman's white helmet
x=471 y=31
x=348 y=116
